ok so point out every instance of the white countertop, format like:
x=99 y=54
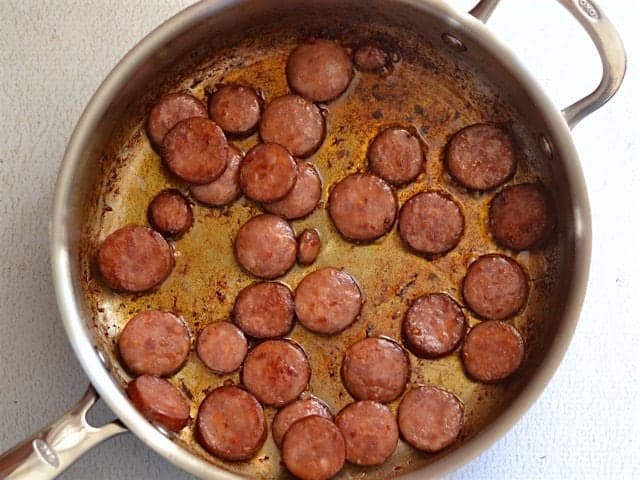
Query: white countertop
x=54 y=55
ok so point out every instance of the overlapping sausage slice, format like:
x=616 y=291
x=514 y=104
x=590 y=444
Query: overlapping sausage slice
x=222 y=347
x=264 y=310
x=267 y=173
x=235 y=108
x=170 y=110
x=396 y=156
x=295 y=411
x=170 y=213
x=303 y=197
x=224 y=189
x=159 y=401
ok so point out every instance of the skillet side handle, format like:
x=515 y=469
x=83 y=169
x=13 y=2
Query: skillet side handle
x=607 y=41
x=53 y=449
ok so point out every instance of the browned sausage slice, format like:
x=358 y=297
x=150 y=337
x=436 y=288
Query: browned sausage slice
x=376 y=369
x=313 y=449
x=431 y=223
x=319 y=69
x=135 y=259
x=370 y=432
x=267 y=173
x=235 y=108
x=276 y=372
x=231 y=424
x=370 y=58
x=481 y=156
x=363 y=207
x=304 y=196
x=295 y=411
x=170 y=213
x=430 y=418
x=266 y=246
x=328 y=301
x=295 y=123
x=170 y=110
x=495 y=287
x=521 y=217
x=433 y=326
x=195 y=150
x=224 y=189
x=264 y=310
x=222 y=347
x=396 y=156
x=159 y=401
x=154 y=343
x=492 y=351
x=308 y=246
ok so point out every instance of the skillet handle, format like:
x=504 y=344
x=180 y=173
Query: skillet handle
x=607 y=41
x=53 y=449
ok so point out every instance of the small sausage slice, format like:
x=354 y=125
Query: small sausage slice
x=264 y=310
x=431 y=223
x=370 y=432
x=154 y=343
x=304 y=196
x=295 y=123
x=319 y=70
x=313 y=449
x=231 y=424
x=370 y=58
x=135 y=259
x=396 y=156
x=308 y=246
x=235 y=108
x=159 y=401
x=430 y=418
x=495 y=287
x=295 y=411
x=266 y=246
x=375 y=369
x=195 y=150
x=481 y=156
x=226 y=188
x=433 y=326
x=521 y=217
x=363 y=207
x=222 y=347
x=267 y=173
x=170 y=110
x=170 y=213
x=328 y=301
x=276 y=372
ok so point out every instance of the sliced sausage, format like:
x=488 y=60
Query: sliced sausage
x=521 y=217
x=170 y=213
x=295 y=411
x=222 y=347
x=295 y=123
x=135 y=259
x=264 y=310
x=433 y=326
x=363 y=207
x=396 y=156
x=235 y=108
x=495 y=287
x=195 y=150
x=431 y=223
x=266 y=246
x=492 y=351
x=481 y=156
x=376 y=369
x=170 y=110
x=231 y=424
x=370 y=432
x=319 y=69
x=226 y=188
x=313 y=449
x=159 y=401
x=328 y=301
x=267 y=173
x=430 y=418
x=308 y=246
x=303 y=197
x=370 y=58
x=154 y=343
x=276 y=372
